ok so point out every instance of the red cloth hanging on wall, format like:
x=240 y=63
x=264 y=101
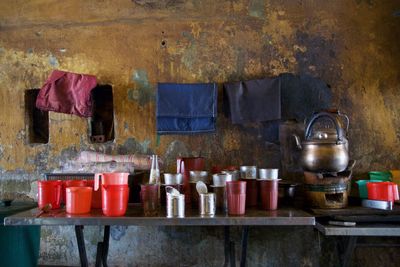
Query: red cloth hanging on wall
x=67 y=92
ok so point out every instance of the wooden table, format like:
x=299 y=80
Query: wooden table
x=134 y=216
x=369 y=222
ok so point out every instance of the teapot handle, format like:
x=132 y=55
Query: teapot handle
x=347 y=120
x=330 y=117
x=337 y=112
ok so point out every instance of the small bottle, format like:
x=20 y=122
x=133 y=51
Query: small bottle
x=154 y=171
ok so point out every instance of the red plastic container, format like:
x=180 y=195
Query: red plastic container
x=386 y=191
x=269 y=193
x=236 y=197
x=114 y=199
x=96 y=195
x=251 y=192
x=78 y=199
x=109 y=178
x=69 y=183
x=49 y=192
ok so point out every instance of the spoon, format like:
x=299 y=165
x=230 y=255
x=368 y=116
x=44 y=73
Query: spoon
x=201 y=187
x=44 y=209
x=172 y=191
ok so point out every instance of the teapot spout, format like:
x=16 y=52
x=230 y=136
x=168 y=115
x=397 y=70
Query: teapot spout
x=298 y=142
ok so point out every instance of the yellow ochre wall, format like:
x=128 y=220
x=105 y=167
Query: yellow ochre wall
x=352 y=45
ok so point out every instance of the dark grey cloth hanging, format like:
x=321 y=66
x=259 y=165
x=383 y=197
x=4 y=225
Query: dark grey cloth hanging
x=253 y=101
x=271 y=100
x=302 y=95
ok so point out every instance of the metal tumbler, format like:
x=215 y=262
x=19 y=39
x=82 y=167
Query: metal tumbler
x=248 y=172
x=207 y=204
x=175 y=206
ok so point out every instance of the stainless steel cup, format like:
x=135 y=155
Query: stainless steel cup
x=173 y=178
x=220 y=179
x=248 y=172
x=268 y=173
x=220 y=196
x=235 y=174
x=207 y=204
x=175 y=206
x=196 y=176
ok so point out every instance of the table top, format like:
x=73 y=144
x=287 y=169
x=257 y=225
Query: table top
x=15 y=208
x=362 y=229
x=134 y=216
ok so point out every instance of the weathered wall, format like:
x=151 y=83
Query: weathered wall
x=352 y=45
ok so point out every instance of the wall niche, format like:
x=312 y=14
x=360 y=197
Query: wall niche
x=37 y=121
x=102 y=121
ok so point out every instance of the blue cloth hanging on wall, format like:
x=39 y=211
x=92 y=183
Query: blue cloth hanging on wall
x=186 y=108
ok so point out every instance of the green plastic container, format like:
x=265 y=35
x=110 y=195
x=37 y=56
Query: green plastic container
x=381 y=176
x=362 y=187
x=19 y=245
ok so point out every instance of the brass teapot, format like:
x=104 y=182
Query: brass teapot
x=324 y=150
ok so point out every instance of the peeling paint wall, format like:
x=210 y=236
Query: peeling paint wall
x=131 y=45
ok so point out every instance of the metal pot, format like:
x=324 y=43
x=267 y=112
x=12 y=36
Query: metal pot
x=287 y=191
x=324 y=154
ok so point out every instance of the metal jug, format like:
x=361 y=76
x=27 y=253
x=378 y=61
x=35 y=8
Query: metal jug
x=324 y=151
x=184 y=166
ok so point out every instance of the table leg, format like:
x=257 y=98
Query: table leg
x=102 y=248
x=349 y=244
x=106 y=241
x=81 y=245
x=98 y=254
x=226 y=245
x=245 y=235
x=232 y=257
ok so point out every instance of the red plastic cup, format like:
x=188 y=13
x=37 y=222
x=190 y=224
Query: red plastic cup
x=251 y=192
x=96 y=195
x=149 y=199
x=236 y=197
x=386 y=191
x=269 y=193
x=69 y=183
x=49 y=192
x=236 y=187
x=114 y=199
x=78 y=199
